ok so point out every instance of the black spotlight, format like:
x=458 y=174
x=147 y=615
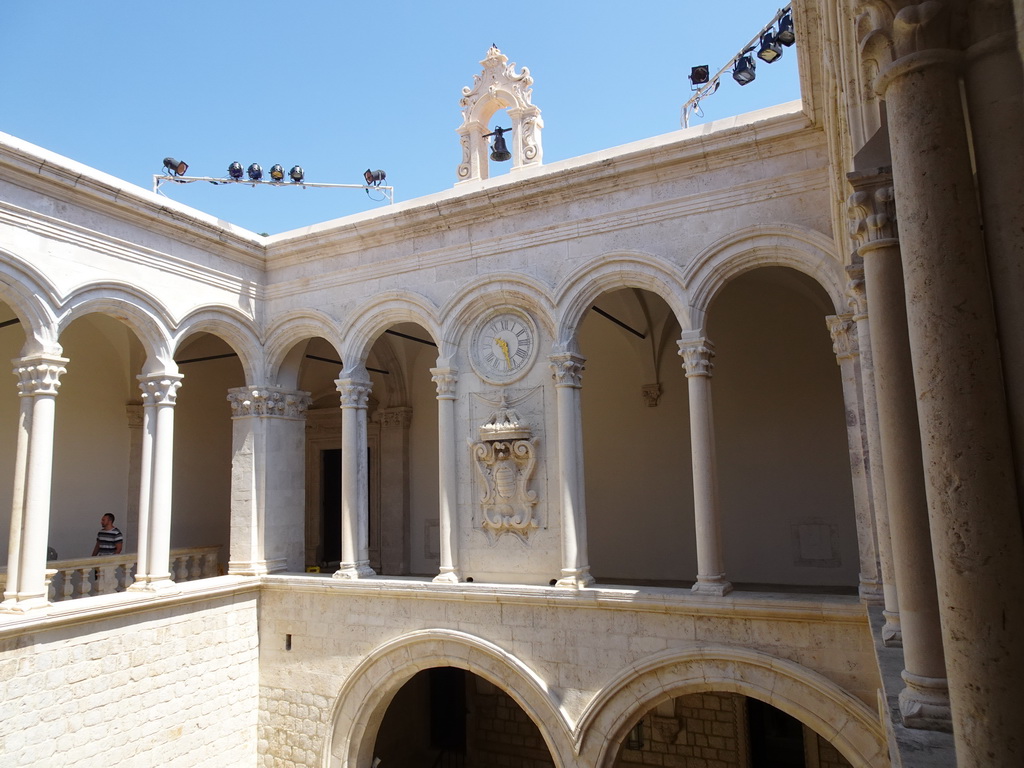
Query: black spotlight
x=770 y=49
x=174 y=167
x=499 y=152
x=235 y=171
x=700 y=75
x=743 y=70
x=296 y=174
x=255 y=172
x=374 y=178
x=787 y=34
x=277 y=172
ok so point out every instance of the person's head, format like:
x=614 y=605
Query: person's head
x=107 y=521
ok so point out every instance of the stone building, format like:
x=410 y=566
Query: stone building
x=701 y=451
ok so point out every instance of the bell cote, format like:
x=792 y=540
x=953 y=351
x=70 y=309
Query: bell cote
x=498 y=87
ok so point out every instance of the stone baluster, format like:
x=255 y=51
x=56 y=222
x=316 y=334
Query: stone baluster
x=697 y=352
x=38 y=381
x=446 y=380
x=567 y=369
x=355 y=510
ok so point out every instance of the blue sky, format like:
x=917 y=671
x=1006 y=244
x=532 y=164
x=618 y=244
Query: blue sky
x=337 y=87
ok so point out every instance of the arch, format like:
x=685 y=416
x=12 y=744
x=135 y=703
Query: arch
x=141 y=312
x=282 y=367
x=379 y=313
x=846 y=722
x=623 y=269
x=32 y=298
x=776 y=245
x=489 y=291
x=366 y=694
x=234 y=328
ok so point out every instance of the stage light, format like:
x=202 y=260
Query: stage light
x=175 y=167
x=255 y=172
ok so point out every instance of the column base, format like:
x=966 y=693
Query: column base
x=447 y=576
x=892 y=631
x=712 y=585
x=575 y=578
x=352 y=571
x=870 y=592
x=255 y=567
x=162 y=585
x=924 y=703
x=22 y=604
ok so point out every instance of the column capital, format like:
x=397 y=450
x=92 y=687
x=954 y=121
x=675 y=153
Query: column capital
x=872 y=209
x=567 y=369
x=39 y=374
x=697 y=352
x=856 y=289
x=268 y=401
x=355 y=392
x=159 y=388
x=446 y=380
x=843 y=330
x=919 y=36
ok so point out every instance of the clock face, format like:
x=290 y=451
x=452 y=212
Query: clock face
x=504 y=346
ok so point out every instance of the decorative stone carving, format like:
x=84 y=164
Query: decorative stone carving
x=355 y=393
x=39 y=375
x=567 y=370
x=498 y=86
x=697 y=354
x=395 y=418
x=161 y=389
x=445 y=379
x=872 y=209
x=651 y=394
x=843 y=330
x=505 y=459
x=268 y=401
x=856 y=290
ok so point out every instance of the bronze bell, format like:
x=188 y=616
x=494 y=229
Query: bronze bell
x=499 y=152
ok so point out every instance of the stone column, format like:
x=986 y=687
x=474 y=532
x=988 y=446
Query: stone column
x=159 y=394
x=567 y=369
x=38 y=382
x=394 y=489
x=697 y=352
x=355 y=505
x=858 y=303
x=978 y=544
x=448 y=482
x=267 y=480
x=924 y=702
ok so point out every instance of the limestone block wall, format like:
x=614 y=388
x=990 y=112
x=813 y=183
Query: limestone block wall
x=169 y=686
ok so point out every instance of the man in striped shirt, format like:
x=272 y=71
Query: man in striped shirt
x=109 y=540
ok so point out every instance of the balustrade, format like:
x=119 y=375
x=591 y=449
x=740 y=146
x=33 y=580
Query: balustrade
x=91 y=576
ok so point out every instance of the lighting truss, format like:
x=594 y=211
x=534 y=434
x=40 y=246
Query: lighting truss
x=160 y=179
x=712 y=84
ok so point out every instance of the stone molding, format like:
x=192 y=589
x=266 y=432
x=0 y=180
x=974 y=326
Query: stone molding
x=39 y=374
x=856 y=290
x=395 y=418
x=268 y=401
x=160 y=389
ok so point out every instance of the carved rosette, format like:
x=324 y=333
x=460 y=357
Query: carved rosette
x=39 y=375
x=505 y=458
x=268 y=401
x=567 y=370
x=843 y=330
x=697 y=354
x=161 y=389
x=355 y=393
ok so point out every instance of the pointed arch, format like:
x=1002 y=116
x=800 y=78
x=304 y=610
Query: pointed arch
x=366 y=694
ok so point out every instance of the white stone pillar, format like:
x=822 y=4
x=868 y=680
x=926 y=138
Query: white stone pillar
x=448 y=485
x=355 y=507
x=568 y=369
x=976 y=531
x=159 y=393
x=38 y=382
x=267 y=480
x=697 y=352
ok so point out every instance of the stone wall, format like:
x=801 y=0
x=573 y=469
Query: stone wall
x=168 y=686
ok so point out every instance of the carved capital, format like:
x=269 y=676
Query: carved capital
x=268 y=401
x=921 y=27
x=355 y=393
x=160 y=389
x=843 y=330
x=856 y=290
x=872 y=209
x=697 y=353
x=651 y=394
x=446 y=380
x=39 y=374
x=567 y=369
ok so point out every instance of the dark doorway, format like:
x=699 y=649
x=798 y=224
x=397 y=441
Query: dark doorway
x=776 y=739
x=330 y=503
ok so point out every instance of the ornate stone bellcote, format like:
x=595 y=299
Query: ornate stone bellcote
x=505 y=458
x=268 y=401
x=498 y=87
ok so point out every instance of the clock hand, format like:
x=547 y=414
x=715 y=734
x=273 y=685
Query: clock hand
x=504 y=348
